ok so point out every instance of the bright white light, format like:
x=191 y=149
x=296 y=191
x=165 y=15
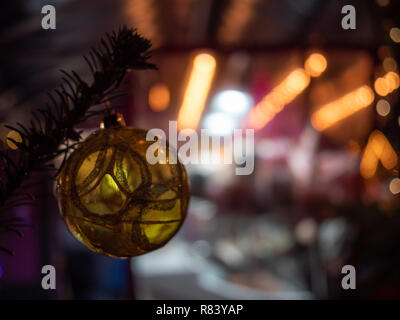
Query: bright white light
x=219 y=123
x=234 y=102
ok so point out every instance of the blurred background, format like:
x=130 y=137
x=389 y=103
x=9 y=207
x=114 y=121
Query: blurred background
x=324 y=104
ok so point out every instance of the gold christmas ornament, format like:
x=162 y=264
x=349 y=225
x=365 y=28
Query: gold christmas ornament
x=114 y=201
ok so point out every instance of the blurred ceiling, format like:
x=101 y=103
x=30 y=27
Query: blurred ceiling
x=31 y=57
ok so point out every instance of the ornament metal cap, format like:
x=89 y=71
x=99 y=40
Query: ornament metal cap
x=113 y=120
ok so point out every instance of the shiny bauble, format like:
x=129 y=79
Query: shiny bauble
x=114 y=201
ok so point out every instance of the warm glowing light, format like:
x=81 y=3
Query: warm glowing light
x=395 y=34
x=278 y=98
x=144 y=16
x=387 y=84
x=369 y=163
x=389 y=64
x=383 y=3
x=196 y=91
x=381 y=87
x=383 y=107
x=342 y=108
x=16 y=137
x=235 y=19
x=394 y=186
x=384 y=151
x=393 y=80
x=159 y=97
x=315 y=65
x=378 y=148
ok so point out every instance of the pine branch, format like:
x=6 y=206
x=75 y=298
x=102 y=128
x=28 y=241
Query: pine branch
x=69 y=105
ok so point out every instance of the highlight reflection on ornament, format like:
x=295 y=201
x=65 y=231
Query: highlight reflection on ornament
x=114 y=201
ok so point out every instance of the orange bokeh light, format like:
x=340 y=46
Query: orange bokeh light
x=278 y=98
x=387 y=84
x=315 y=64
x=197 y=89
x=333 y=112
x=378 y=149
x=159 y=97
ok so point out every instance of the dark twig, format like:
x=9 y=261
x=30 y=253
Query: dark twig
x=54 y=126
